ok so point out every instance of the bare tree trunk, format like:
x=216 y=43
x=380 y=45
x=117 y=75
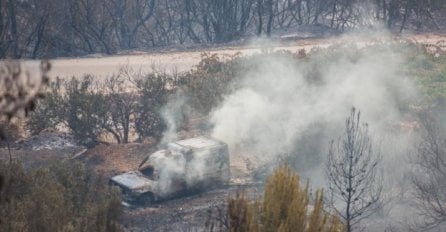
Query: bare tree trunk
x=13 y=19
x=123 y=26
x=299 y=11
x=143 y=19
x=429 y=179
x=334 y=11
x=260 y=17
x=406 y=15
x=190 y=11
x=245 y=16
x=377 y=9
x=308 y=6
x=393 y=13
x=316 y=11
x=270 y=17
x=126 y=126
x=40 y=30
x=9 y=150
x=429 y=14
x=2 y=28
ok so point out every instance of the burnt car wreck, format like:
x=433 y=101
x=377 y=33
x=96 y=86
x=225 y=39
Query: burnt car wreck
x=185 y=166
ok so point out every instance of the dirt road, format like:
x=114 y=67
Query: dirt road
x=179 y=61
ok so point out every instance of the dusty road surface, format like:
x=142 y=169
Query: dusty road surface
x=179 y=61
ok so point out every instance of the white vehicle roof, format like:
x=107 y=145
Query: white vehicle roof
x=132 y=180
x=198 y=143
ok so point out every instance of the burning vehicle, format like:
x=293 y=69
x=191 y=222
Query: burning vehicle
x=185 y=166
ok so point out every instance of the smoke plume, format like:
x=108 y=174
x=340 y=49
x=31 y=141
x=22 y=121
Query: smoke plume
x=288 y=109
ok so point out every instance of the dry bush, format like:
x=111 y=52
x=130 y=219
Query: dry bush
x=129 y=102
x=11 y=131
x=48 y=112
x=199 y=91
x=153 y=93
x=60 y=197
x=90 y=108
x=207 y=84
x=286 y=207
x=430 y=176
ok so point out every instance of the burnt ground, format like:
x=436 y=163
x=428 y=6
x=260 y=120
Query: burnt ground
x=190 y=213
x=110 y=160
x=104 y=160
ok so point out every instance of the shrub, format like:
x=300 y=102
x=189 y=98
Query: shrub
x=286 y=206
x=90 y=108
x=60 y=197
x=207 y=84
x=49 y=112
x=153 y=93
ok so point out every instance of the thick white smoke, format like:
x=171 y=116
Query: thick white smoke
x=288 y=108
x=277 y=103
x=172 y=168
x=279 y=108
x=173 y=113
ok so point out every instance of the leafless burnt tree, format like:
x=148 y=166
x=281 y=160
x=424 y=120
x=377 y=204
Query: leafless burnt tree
x=352 y=173
x=42 y=28
x=118 y=119
x=430 y=178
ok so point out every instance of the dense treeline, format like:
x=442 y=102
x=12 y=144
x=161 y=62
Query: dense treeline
x=48 y=28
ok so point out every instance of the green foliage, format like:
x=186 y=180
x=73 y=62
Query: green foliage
x=60 y=197
x=154 y=91
x=214 y=77
x=84 y=108
x=90 y=109
x=286 y=206
x=49 y=111
x=207 y=84
x=431 y=76
x=74 y=104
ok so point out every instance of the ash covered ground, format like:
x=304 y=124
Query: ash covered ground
x=191 y=212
